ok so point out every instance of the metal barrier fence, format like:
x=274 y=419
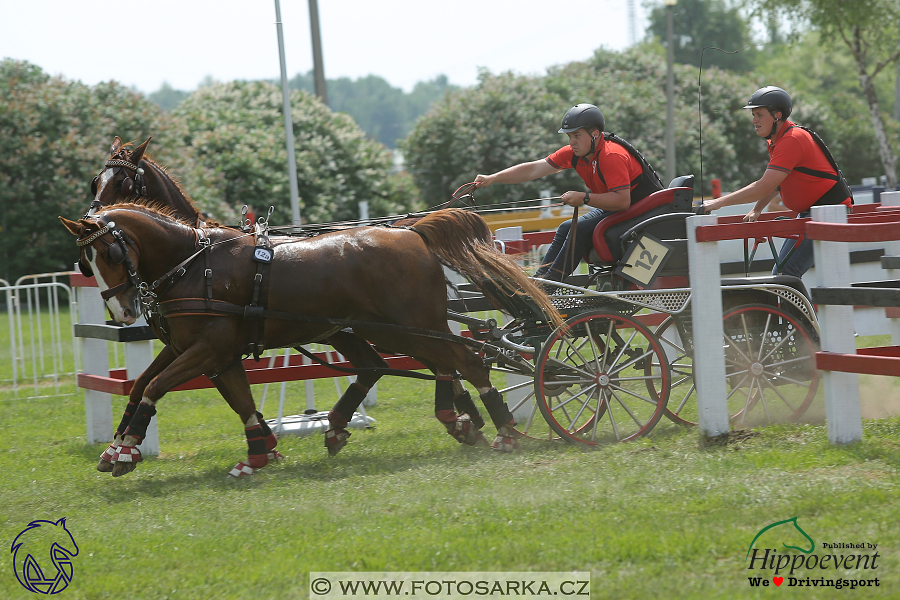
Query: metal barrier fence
x=42 y=348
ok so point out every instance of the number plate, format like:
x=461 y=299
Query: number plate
x=644 y=260
x=262 y=254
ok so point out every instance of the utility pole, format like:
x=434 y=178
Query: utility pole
x=632 y=29
x=318 y=65
x=670 y=94
x=288 y=123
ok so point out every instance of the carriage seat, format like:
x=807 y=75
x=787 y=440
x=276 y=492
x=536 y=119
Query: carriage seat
x=677 y=198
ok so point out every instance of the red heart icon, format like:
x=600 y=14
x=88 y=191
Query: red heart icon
x=777 y=580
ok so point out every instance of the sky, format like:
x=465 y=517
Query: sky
x=144 y=43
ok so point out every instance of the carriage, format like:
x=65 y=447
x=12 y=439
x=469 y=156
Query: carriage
x=624 y=357
x=599 y=363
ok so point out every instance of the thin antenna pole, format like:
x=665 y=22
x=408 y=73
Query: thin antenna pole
x=318 y=65
x=670 y=93
x=288 y=123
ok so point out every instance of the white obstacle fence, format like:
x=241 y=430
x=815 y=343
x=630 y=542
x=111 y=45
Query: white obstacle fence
x=842 y=405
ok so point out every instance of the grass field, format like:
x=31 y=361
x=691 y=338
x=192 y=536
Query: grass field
x=662 y=517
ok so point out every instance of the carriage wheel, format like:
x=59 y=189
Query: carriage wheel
x=591 y=381
x=682 y=405
x=520 y=398
x=770 y=365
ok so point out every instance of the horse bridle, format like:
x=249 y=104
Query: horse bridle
x=117 y=251
x=136 y=185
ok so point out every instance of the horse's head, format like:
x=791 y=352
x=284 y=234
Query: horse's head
x=111 y=256
x=123 y=176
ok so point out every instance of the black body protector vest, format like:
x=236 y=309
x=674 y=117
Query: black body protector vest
x=644 y=184
x=837 y=193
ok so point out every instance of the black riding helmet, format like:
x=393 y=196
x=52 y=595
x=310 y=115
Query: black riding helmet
x=581 y=116
x=772 y=99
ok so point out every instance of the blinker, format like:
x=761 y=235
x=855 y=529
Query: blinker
x=115 y=253
x=85 y=269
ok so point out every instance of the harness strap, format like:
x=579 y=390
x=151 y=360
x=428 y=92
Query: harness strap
x=197 y=306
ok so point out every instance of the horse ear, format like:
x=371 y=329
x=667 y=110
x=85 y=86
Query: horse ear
x=116 y=145
x=74 y=228
x=138 y=153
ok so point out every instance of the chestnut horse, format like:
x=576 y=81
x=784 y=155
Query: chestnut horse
x=129 y=174
x=386 y=284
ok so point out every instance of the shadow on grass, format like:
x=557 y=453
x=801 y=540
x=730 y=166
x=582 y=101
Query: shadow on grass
x=207 y=469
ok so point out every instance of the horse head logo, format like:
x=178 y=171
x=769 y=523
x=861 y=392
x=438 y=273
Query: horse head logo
x=812 y=544
x=53 y=544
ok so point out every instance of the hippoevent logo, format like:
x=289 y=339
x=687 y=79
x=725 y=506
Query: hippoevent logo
x=813 y=569
x=42 y=556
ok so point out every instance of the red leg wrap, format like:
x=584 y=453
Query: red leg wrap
x=337 y=420
x=335 y=439
x=109 y=453
x=127 y=454
x=507 y=439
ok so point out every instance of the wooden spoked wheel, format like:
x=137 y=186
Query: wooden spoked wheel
x=594 y=380
x=770 y=365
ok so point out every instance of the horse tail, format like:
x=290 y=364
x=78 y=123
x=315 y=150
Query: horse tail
x=462 y=240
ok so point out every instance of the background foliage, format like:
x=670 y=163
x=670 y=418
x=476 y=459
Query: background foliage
x=235 y=135
x=225 y=141
x=54 y=137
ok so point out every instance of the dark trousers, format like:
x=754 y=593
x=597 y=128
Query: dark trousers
x=557 y=263
x=802 y=259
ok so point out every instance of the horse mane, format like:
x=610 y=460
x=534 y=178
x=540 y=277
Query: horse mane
x=126 y=151
x=150 y=205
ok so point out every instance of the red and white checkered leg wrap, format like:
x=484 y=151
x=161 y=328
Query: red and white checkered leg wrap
x=336 y=439
x=240 y=470
x=506 y=440
x=110 y=453
x=129 y=454
x=275 y=456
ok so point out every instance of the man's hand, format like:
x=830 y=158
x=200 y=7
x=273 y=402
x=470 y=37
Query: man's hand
x=573 y=198
x=751 y=216
x=482 y=181
x=709 y=205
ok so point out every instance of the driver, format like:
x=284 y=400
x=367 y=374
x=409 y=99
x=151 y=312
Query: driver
x=798 y=168
x=614 y=177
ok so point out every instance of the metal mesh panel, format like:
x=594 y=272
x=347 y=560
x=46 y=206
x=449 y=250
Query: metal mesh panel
x=664 y=301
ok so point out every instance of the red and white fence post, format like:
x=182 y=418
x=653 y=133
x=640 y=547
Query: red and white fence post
x=832 y=259
x=706 y=314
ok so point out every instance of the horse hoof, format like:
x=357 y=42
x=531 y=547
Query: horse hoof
x=336 y=439
x=506 y=440
x=464 y=431
x=275 y=456
x=240 y=471
x=122 y=468
x=108 y=458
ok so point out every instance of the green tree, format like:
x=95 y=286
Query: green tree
x=508 y=119
x=54 y=137
x=824 y=75
x=700 y=23
x=384 y=112
x=167 y=97
x=869 y=31
x=235 y=136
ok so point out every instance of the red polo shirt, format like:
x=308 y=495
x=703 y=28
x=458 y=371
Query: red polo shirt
x=792 y=148
x=618 y=167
